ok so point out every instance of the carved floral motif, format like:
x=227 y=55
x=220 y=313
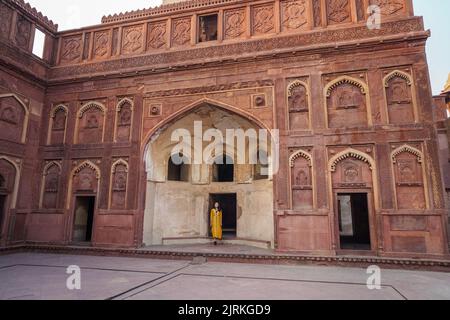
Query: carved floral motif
x=294 y=14
x=338 y=11
x=133 y=40
x=157 y=35
x=234 y=23
x=181 y=34
x=101 y=44
x=263 y=19
x=71 y=49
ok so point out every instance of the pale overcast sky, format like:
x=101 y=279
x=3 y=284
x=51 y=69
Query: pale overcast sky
x=70 y=14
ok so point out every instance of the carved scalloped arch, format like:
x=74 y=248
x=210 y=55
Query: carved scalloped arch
x=345 y=79
x=409 y=149
x=87 y=164
x=397 y=73
x=118 y=162
x=300 y=154
x=90 y=105
x=295 y=84
x=351 y=153
x=58 y=108
x=122 y=102
x=51 y=164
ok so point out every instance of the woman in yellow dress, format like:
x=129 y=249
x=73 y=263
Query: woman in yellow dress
x=216 y=222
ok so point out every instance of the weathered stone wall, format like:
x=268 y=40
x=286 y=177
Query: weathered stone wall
x=353 y=106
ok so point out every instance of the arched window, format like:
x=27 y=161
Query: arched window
x=178 y=168
x=223 y=169
x=2 y=182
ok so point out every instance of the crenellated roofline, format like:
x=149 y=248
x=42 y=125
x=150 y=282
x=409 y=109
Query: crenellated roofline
x=33 y=14
x=170 y=8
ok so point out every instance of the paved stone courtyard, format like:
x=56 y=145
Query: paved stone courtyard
x=33 y=276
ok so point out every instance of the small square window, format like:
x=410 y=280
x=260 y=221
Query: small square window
x=207 y=28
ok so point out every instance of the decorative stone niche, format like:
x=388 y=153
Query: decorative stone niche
x=399 y=97
x=347 y=103
x=301 y=180
x=298 y=104
x=409 y=178
x=119 y=182
x=90 y=123
x=124 y=120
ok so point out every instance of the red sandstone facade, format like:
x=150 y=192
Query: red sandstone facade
x=353 y=106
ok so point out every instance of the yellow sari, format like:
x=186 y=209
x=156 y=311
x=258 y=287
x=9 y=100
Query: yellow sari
x=216 y=224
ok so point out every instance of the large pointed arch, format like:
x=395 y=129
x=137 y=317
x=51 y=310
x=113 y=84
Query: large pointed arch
x=147 y=145
x=187 y=109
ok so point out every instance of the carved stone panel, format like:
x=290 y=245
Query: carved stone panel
x=338 y=11
x=317 y=12
x=90 y=126
x=234 y=23
x=5 y=21
x=12 y=116
x=115 y=42
x=399 y=101
x=124 y=119
x=360 y=10
x=133 y=39
x=298 y=106
x=157 y=35
x=347 y=106
x=101 y=44
x=181 y=31
x=23 y=33
x=263 y=19
x=390 y=7
x=294 y=15
x=51 y=186
x=71 y=49
x=119 y=186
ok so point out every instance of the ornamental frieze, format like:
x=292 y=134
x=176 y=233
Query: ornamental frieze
x=209 y=89
x=238 y=49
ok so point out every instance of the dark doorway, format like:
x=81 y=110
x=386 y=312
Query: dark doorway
x=2 y=210
x=354 y=226
x=178 y=169
x=84 y=219
x=228 y=203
